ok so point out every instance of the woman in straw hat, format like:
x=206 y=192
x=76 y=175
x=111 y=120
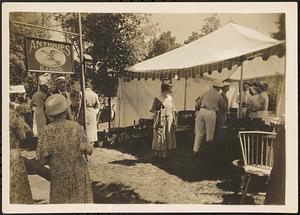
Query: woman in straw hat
x=254 y=106
x=63 y=145
x=164 y=122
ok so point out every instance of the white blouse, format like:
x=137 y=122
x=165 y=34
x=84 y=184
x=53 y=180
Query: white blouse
x=169 y=105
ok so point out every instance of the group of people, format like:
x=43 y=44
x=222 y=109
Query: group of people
x=75 y=112
x=61 y=140
x=211 y=117
x=254 y=102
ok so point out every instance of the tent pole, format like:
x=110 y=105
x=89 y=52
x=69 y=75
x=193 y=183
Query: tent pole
x=82 y=72
x=241 y=89
x=109 y=105
x=185 y=85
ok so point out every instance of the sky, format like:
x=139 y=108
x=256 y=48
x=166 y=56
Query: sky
x=182 y=25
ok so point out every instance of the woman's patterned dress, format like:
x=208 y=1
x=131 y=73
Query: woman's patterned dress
x=62 y=145
x=20 y=192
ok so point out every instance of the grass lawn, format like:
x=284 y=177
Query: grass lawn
x=126 y=174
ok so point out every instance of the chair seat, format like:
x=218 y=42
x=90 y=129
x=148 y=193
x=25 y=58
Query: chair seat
x=258 y=170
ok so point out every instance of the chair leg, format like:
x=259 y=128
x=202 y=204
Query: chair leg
x=243 y=182
x=246 y=188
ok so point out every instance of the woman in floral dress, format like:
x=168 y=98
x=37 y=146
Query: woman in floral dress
x=164 y=122
x=20 y=192
x=62 y=145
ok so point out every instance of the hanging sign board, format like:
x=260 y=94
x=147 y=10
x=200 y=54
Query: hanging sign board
x=48 y=56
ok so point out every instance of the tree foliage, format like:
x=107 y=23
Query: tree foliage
x=280 y=34
x=114 y=40
x=211 y=24
x=17 y=69
x=164 y=43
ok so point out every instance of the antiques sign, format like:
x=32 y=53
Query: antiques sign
x=48 y=56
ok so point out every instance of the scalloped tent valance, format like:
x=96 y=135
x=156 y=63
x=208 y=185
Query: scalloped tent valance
x=222 y=49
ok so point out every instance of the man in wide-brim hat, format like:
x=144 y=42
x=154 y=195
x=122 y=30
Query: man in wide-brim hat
x=60 y=88
x=223 y=113
x=208 y=106
x=62 y=145
x=221 y=126
x=167 y=83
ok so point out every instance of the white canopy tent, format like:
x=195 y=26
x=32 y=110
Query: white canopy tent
x=218 y=55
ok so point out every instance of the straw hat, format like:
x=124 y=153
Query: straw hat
x=253 y=90
x=217 y=83
x=167 y=82
x=225 y=84
x=264 y=85
x=60 y=79
x=56 y=104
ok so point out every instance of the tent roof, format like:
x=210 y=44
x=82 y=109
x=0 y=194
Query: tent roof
x=223 y=48
x=17 y=89
x=256 y=68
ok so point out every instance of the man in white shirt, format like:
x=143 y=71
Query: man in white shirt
x=244 y=103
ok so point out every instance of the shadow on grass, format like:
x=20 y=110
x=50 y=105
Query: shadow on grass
x=234 y=199
x=116 y=194
x=180 y=163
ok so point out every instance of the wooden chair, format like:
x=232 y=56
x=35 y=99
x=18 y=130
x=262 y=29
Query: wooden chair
x=258 y=155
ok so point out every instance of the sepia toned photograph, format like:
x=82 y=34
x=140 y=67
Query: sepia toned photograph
x=128 y=108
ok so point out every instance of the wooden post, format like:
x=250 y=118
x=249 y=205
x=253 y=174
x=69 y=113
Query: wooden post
x=82 y=72
x=109 y=121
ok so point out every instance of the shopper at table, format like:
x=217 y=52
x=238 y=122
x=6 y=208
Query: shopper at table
x=264 y=101
x=164 y=121
x=222 y=125
x=209 y=104
x=258 y=106
x=62 y=146
x=243 y=101
x=223 y=113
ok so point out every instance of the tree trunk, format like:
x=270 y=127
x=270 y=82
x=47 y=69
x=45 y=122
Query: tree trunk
x=276 y=187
